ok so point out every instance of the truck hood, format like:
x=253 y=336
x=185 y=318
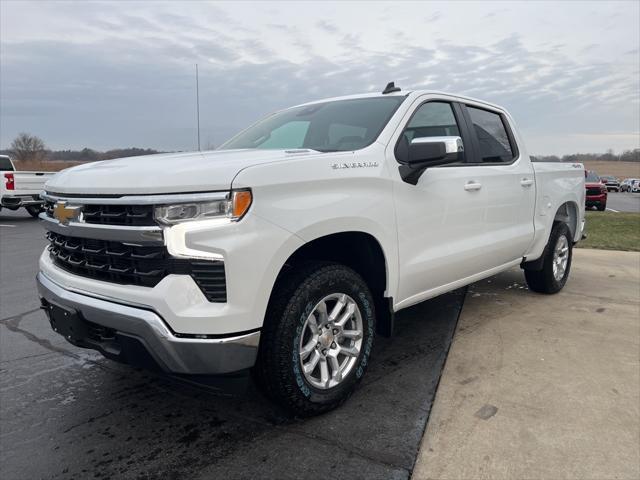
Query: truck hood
x=164 y=173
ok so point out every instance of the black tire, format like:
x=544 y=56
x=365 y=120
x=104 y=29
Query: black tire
x=34 y=211
x=543 y=281
x=278 y=369
x=601 y=208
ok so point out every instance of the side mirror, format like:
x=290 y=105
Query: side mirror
x=425 y=152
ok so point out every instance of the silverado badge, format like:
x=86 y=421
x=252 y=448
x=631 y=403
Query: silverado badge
x=64 y=214
x=338 y=166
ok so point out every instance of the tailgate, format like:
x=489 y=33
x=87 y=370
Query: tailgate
x=30 y=183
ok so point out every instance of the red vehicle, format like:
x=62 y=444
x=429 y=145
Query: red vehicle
x=596 y=191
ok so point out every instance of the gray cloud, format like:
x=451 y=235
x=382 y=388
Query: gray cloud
x=326 y=26
x=434 y=16
x=128 y=78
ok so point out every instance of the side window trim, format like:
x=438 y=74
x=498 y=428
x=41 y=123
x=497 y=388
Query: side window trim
x=462 y=128
x=469 y=140
x=507 y=126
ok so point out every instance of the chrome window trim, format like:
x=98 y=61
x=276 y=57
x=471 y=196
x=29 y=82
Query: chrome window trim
x=163 y=199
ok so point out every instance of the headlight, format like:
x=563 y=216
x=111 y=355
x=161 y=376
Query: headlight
x=233 y=206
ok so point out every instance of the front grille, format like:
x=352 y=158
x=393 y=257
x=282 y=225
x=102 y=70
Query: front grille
x=593 y=191
x=132 y=265
x=124 y=215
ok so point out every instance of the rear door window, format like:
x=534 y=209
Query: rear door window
x=493 y=139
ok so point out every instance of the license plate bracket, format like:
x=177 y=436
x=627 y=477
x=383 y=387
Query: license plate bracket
x=67 y=322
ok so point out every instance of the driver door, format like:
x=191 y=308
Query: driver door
x=441 y=221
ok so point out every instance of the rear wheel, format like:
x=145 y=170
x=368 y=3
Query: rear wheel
x=317 y=338
x=34 y=211
x=556 y=263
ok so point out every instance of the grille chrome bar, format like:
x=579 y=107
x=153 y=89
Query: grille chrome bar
x=160 y=199
x=115 y=233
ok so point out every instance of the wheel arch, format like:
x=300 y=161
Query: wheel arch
x=568 y=213
x=358 y=250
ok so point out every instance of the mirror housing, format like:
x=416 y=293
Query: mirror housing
x=425 y=152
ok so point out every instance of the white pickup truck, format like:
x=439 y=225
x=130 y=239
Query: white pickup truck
x=21 y=189
x=289 y=247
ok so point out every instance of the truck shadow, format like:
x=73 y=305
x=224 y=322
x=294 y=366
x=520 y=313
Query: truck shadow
x=99 y=419
x=19 y=216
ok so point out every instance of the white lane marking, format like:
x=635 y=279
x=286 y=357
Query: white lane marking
x=612 y=210
x=5 y=225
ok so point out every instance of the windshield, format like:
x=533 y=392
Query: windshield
x=340 y=125
x=592 y=177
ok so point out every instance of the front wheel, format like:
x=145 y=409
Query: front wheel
x=556 y=262
x=602 y=208
x=34 y=211
x=317 y=338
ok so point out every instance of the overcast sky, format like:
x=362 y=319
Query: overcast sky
x=119 y=74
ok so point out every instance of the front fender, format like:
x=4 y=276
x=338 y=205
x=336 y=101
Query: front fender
x=311 y=199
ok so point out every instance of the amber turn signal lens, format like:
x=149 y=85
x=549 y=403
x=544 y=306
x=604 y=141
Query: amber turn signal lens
x=241 y=202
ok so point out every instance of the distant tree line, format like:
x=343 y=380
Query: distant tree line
x=29 y=148
x=626 y=156
x=89 y=155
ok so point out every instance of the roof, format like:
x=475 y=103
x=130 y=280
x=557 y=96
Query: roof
x=403 y=93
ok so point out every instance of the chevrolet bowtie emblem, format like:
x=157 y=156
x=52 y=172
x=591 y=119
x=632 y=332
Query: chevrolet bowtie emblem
x=64 y=214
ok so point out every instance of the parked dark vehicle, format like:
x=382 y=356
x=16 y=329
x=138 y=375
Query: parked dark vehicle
x=612 y=183
x=596 y=191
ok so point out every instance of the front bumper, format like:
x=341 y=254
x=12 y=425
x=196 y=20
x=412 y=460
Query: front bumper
x=134 y=327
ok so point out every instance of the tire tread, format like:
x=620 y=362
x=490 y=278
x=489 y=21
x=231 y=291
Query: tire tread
x=272 y=365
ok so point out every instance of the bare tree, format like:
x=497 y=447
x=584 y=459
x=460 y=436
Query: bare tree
x=27 y=148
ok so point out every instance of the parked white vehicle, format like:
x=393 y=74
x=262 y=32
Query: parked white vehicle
x=21 y=189
x=630 y=185
x=286 y=249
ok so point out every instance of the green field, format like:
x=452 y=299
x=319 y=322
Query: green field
x=612 y=231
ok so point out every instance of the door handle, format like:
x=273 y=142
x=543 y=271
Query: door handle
x=526 y=182
x=471 y=185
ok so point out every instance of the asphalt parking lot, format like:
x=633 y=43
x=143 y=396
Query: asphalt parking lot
x=66 y=412
x=623 y=202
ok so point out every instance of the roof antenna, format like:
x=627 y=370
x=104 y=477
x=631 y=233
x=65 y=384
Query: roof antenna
x=390 y=88
x=198 y=105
